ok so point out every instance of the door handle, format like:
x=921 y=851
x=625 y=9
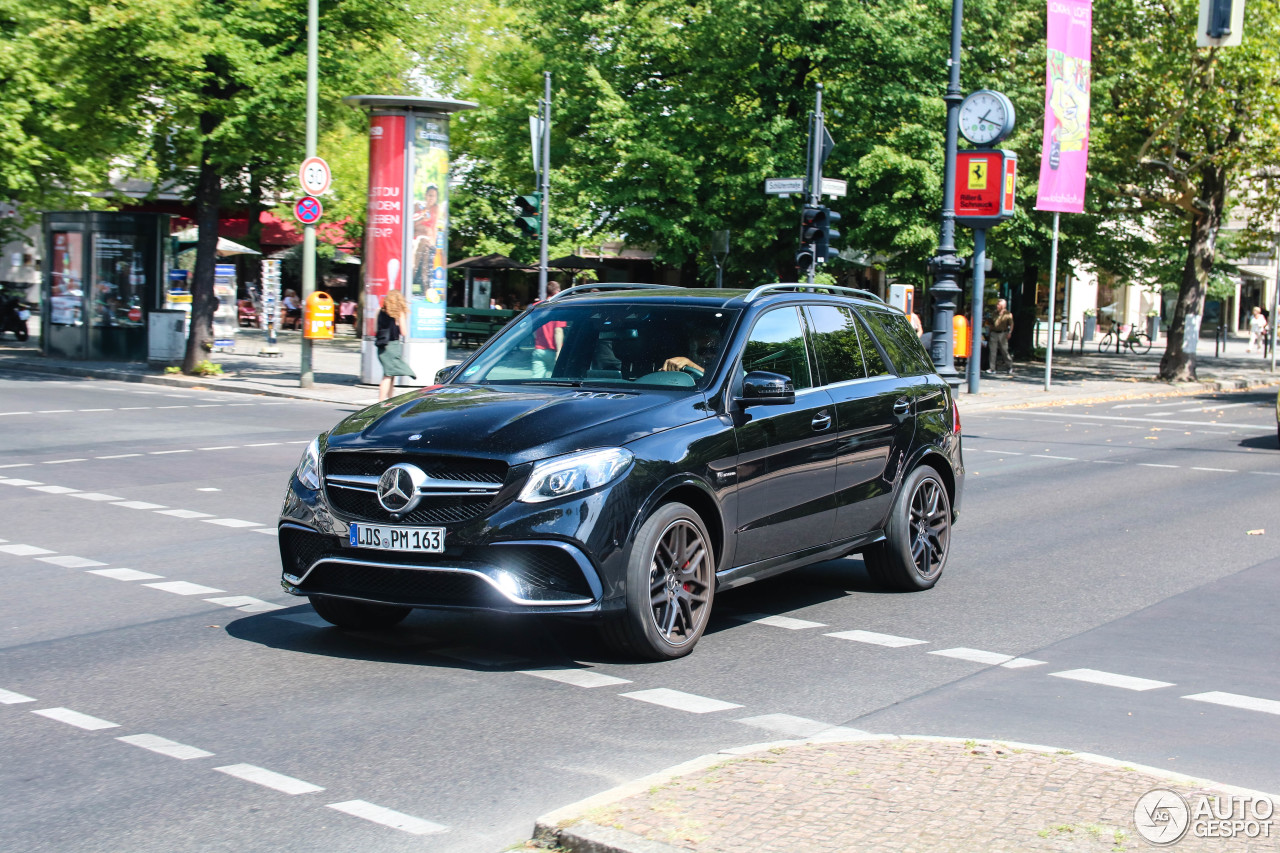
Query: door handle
x=901 y=407
x=821 y=421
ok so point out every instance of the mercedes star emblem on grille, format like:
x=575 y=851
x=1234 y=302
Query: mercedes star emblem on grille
x=398 y=487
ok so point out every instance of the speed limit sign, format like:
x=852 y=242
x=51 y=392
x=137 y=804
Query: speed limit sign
x=314 y=175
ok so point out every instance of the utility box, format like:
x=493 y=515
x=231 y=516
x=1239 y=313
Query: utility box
x=167 y=336
x=903 y=297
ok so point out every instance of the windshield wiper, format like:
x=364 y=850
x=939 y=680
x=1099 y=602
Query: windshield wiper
x=560 y=383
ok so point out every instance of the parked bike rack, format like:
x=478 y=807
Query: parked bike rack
x=1076 y=337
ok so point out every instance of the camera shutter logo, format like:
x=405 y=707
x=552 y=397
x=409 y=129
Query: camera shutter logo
x=1162 y=816
x=398 y=487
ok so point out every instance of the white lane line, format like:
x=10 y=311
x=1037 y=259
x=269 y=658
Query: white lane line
x=479 y=657
x=1019 y=663
x=303 y=441
x=1111 y=679
x=1105 y=462
x=680 y=701
x=1215 y=407
x=1002 y=452
x=264 y=444
x=246 y=604
x=24 y=550
x=974 y=655
x=388 y=817
x=164 y=746
x=876 y=639
x=1046 y=456
x=208 y=489
x=239 y=404
x=18 y=465
x=270 y=531
x=1151 y=420
x=184 y=513
x=96 y=496
x=576 y=677
x=1235 y=700
x=69 y=562
x=173 y=407
x=133 y=408
x=221 y=447
x=269 y=779
x=119 y=456
x=4 y=414
x=75 y=718
x=15 y=481
x=1218 y=470
x=138 y=505
x=125 y=574
x=62 y=461
x=207 y=406
x=54 y=411
x=94 y=410
x=166 y=452
x=1267 y=473
x=184 y=588
x=232 y=522
x=1156 y=465
x=787 y=622
x=311 y=619
x=786 y=724
x=54 y=490
x=8 y=697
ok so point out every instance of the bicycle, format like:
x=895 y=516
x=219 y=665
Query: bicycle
x=1135 y=341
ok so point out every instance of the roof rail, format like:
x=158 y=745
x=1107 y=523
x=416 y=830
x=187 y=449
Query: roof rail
x=792 y=288
x=598 y=286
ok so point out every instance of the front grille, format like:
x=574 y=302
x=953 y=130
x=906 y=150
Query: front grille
x=401 y=586
x=363 y=505
x=544 y=566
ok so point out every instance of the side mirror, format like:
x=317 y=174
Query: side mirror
x=444 y=374
x=761 y=388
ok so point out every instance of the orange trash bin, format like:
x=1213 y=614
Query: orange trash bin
x=317 y=316
x=960 y=336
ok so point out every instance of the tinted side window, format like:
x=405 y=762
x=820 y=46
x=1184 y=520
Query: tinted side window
x=777 y=345
x=899 y=341
x=837 y=342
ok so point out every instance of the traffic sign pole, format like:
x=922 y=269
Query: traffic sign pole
x=306 y=378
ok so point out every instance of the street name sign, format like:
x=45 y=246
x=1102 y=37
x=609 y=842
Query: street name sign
x=834 y=187
x=783 y=186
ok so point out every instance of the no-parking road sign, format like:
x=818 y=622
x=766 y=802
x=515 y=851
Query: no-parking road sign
x=308 y=210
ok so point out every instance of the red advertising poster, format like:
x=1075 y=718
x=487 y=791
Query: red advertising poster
x=384 y=236
x=979 y=180
x=68 y=279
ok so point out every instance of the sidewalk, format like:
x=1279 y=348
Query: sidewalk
x=864 y=792
x=1076 y=377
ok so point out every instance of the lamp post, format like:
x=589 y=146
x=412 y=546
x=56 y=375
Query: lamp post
x=946 y=266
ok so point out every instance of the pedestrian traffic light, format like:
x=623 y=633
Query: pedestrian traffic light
x=816 y=230
x=529 y=207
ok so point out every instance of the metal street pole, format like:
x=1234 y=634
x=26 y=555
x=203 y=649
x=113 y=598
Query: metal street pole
x=975 y=307
x=946 y=266
x=306 y=378
x=1053 y=292
x=545 y=207
x=815 y=166
x=1275 y=300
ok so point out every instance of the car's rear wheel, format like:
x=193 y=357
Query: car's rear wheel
x=670 y=587
x=917 y=536
x=358 y=615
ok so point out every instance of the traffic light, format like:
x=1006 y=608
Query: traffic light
x=804 y=258
x=816 y=230
x=529 y=206
x=827 y=232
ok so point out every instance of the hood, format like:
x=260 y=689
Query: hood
x=516 y=423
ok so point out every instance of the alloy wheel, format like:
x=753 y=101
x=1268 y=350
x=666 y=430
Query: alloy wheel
x=679 y=582
x=930 y=522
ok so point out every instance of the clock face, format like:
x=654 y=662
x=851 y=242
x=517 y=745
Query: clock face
x=986 y=117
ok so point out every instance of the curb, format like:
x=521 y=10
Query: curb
x=1181 y=389
x=568 y=827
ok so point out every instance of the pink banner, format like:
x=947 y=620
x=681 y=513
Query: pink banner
x=1065 y=152
x=384 y=234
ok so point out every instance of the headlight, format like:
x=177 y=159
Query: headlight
x=309 y=467
x=577 y=472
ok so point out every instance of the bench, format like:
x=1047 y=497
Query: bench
x=476 y=325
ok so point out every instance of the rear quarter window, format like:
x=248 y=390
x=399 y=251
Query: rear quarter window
x=899 y=340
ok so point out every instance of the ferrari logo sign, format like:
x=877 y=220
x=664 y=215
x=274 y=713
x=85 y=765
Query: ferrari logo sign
x=978 y=173
x=984 y=193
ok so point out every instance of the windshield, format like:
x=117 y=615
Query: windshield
x=616 y=344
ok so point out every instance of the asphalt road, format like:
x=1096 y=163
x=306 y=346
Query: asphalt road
x=1102 y=571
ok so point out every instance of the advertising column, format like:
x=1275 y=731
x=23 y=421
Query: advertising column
x=385 y=232
x=425 y=348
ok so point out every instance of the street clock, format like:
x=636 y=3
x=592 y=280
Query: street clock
x=986 y=117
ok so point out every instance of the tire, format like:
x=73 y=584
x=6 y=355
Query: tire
x=670 y=587
x=1105 y=342
x=918 y=536
x=358 y=615
x=1141 y=343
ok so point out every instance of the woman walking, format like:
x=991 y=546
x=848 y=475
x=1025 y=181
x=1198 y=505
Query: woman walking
x=392 y=320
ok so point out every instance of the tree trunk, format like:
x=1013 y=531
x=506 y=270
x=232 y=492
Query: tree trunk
x=1179 y=361
x=203 y=301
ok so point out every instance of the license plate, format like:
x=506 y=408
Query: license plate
x=425 y=540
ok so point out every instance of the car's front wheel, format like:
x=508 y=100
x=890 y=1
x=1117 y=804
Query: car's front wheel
x=917 y=536
x=670 y=586
x=358 y=615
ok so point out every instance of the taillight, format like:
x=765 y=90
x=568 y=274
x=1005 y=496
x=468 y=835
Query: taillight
x=955 y=416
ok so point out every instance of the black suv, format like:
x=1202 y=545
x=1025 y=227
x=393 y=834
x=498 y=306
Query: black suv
x=624 y=452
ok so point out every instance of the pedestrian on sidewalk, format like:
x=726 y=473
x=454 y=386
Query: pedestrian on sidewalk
x=1257 y=330
x=392 y=320
x=1001 y=328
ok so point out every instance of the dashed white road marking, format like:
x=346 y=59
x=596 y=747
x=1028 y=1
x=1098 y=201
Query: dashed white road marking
x=164 y=746
x=16 y=481
x=680 y=701
x=24 y=550
x=269 y=779
x=231 y=522
x=1235 y=700
x=1112 y=679
x=1218 y=470
x=184 y=513
x=787 y=622
x=17 y=465
x=208 y=489
x=388 y=817
x=138 y=505
x=1156 y=465
x=167 y=452
x=3 y=414
x=973 y=655
x=96 y=496
x=479 y=657
x=264 y=444
x=270 y=531
x=8 y=697
x=119 y=456
x=876 y=639
x=62 y=461
x=1020 y=663
x=75 y=718
x=222 y=447
x=1149 y=420
x=1047 y=456
x=54 y=411
x=54 y=490
x=246 y=603
x=184 y=588
x=133 y=408
x=69 y=562
x=576 y=677
x=792 y=726
x=1003 y=452
x=93 y=410
x=1267 y=473
x=125 y=574
x=304 y=618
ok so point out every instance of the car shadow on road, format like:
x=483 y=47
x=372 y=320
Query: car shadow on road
x=1260 y=442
